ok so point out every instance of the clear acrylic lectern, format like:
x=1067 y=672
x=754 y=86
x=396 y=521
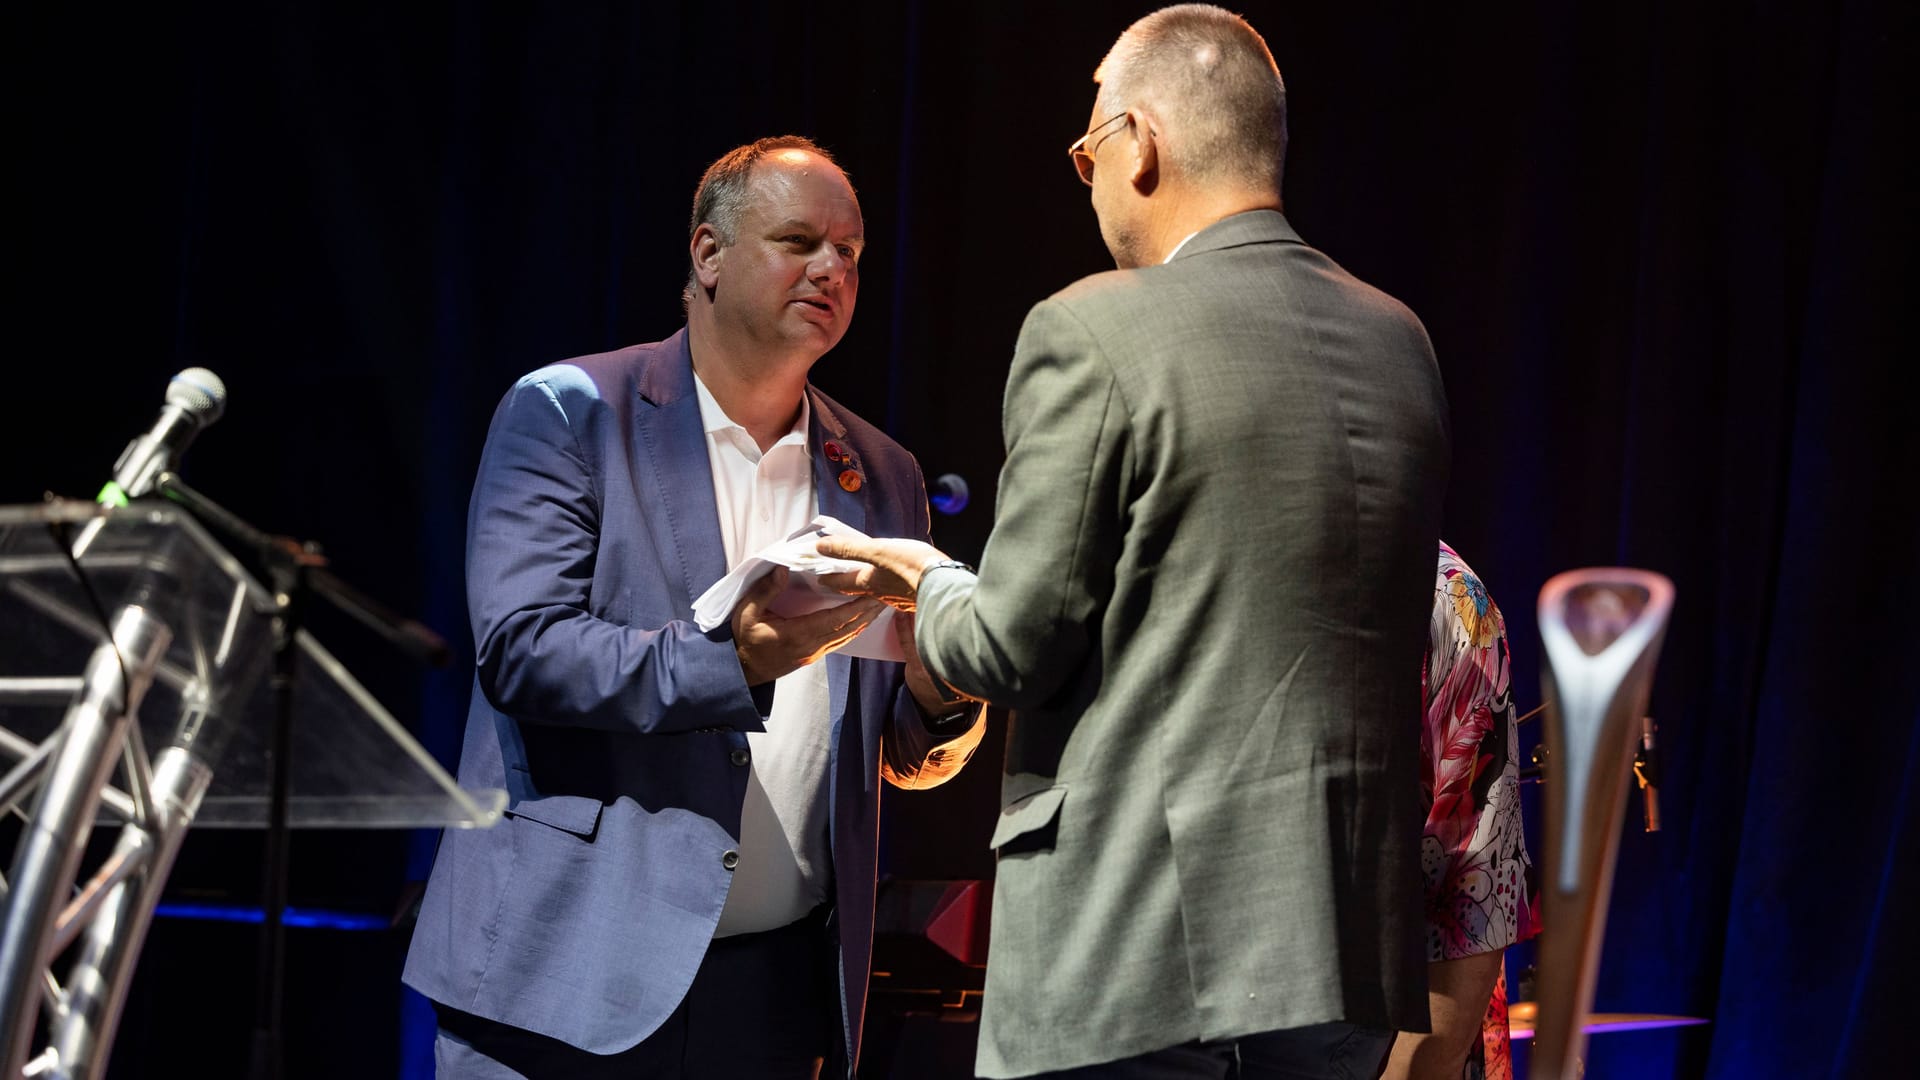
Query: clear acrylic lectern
x=135 y=692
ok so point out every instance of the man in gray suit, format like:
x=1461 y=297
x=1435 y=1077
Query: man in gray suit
x=1205 y=598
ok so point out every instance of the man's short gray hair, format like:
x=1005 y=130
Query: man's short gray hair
x=722 y=194
x=1206 y=74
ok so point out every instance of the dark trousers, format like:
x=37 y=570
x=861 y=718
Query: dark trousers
x=1319 y=1052
x=762 y=1006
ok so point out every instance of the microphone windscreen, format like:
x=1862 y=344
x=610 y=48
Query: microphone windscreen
x=948 y=493
x=199 y=392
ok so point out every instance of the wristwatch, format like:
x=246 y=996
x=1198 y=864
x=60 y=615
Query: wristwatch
x=960 y=712
x=955 y=712
x=938 y=564
x=960 y=716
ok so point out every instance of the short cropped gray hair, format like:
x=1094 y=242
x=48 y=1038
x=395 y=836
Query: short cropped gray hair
x=1208 y=76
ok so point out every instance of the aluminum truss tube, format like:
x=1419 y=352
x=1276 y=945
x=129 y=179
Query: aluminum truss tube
x=82 y=1033
x=24 y=775
x=15 y=748
x=51 y=691
x=55 y=834
x=84 y=1028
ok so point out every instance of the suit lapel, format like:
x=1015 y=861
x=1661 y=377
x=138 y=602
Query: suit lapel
x=840 y=485
x=845 y=499
x=685 y=520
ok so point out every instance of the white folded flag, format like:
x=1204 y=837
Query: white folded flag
x=800 y=554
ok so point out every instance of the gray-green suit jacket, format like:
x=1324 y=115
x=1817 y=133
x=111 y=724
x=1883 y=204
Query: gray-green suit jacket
x=1205 y=597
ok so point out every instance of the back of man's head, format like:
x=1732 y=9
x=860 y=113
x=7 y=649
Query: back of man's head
x=724 y=188
x=1205 y=74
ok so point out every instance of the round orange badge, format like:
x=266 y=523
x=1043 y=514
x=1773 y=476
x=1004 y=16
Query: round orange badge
x=850 y=480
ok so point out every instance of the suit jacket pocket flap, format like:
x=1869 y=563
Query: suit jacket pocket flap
x=1027 y=813
x=576 y=814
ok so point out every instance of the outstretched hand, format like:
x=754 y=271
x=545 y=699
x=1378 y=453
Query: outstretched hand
x=770 y=645
x=892 y=575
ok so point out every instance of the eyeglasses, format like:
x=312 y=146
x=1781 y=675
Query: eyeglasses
x=1083 y=157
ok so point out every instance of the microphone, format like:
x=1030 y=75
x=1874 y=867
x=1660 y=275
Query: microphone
x=948 y=493
x=195 y=398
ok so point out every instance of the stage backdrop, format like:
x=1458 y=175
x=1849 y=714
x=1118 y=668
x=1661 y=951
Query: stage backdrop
x=1665 y=252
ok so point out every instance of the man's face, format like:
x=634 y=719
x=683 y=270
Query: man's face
x=789 y=279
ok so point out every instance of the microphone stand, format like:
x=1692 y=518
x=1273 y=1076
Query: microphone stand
x=295 y=571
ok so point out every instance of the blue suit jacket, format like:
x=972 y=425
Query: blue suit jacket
x=613 y=722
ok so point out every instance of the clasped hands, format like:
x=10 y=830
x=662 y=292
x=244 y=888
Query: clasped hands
x=770 y=645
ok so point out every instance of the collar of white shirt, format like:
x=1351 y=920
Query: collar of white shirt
x=715 y=421
x=1178 y=246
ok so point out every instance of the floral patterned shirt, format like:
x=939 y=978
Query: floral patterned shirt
x=1473 y=853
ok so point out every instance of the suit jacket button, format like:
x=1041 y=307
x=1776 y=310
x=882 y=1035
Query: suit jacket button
x=730 y=859
x=739 y=756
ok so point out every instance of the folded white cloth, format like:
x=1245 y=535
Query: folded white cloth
x=800 y=554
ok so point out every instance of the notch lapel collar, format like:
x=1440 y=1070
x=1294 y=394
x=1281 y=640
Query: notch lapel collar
x=835 y=500
x=682 y=514
x=850 y=507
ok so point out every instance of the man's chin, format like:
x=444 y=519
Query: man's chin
x=815 y=337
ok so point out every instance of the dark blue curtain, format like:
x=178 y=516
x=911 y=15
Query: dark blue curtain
x=1663 y=251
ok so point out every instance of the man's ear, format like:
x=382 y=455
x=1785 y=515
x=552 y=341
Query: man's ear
x=1144 y=174
x=705 y=250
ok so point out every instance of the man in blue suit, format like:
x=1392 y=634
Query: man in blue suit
x=683 y=883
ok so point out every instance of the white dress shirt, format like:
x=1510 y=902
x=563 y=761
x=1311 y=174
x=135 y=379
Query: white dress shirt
x=785 y=866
